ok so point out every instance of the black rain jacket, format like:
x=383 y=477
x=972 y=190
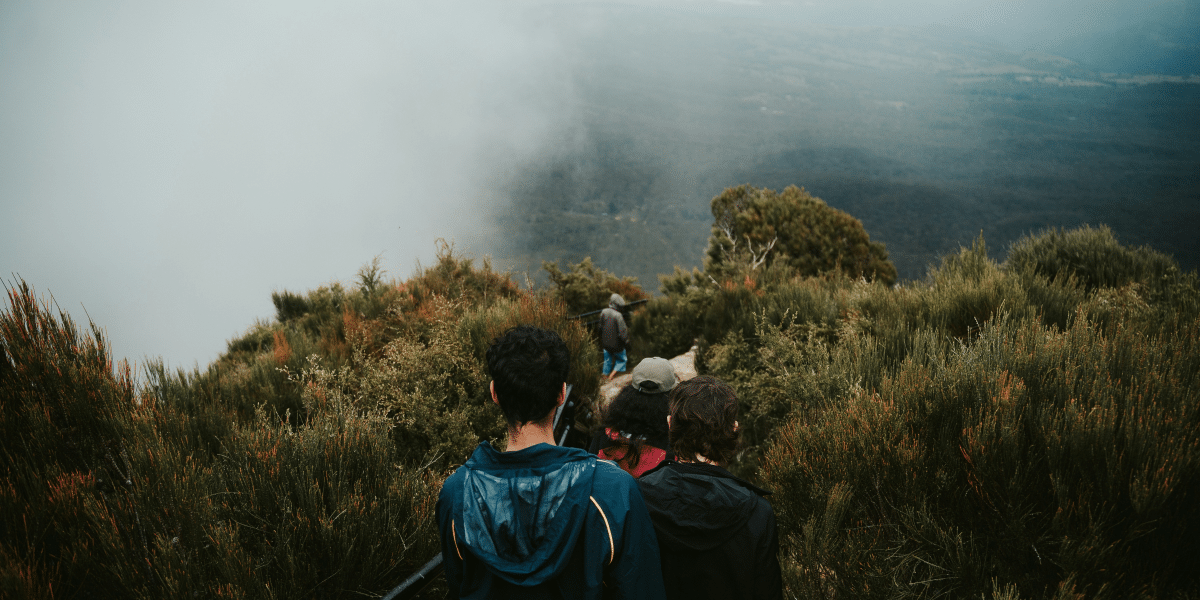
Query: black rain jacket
x=716 y=533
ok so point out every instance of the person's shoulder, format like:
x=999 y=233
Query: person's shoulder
x=762 y=515
x=615 y=489
x=453 y=483
x=655 y=475
x=610 y=476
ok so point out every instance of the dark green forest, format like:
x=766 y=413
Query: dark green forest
x=1020 y=429
x=929 y=136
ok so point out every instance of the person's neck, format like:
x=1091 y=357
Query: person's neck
x=698 y=458
x=524 y=435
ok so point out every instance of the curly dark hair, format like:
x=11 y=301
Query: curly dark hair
x=639 y=414
x=643 y=416
x=528 y=366
x=703 y=416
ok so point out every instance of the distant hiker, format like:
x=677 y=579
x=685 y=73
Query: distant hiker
x=539 y=520
x=633 y=431
x=716 y=533
x=614 y=336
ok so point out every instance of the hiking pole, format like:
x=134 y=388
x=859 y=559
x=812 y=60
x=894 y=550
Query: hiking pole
x=558 y=413
x=418 y=581
x=624 y=308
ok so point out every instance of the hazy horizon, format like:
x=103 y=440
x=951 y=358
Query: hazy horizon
x=166 y=167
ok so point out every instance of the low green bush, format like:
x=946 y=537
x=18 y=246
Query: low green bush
x=110 y=492
x=762 y=243
x=1060 y=463
x=967 y=290
x=435 y=395
x=584 y=287
x=304 y=462
x=753 y=227
x=1090 y=254
x=989 y=431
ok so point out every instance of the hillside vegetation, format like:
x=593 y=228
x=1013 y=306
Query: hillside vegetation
x=1020 y=430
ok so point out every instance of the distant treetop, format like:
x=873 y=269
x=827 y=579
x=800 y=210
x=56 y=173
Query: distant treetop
x=585 y=287
x=756 y=227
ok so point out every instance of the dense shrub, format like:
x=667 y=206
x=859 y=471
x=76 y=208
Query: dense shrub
x=989 y=431
x=458 y=278
x=697 y=310
x=477 y=328
x=759 y=226
x=1093 y=259
x=967 y=291
x=65 y=429
x=1060 y=463
x=1017 y=430
x=111 y=493
x=304 y=462
x=761 y=242
x=584 y=288
x=435 y=389
x=955 y=300
x=1090 y=254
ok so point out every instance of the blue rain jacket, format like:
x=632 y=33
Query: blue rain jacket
x=546 y=522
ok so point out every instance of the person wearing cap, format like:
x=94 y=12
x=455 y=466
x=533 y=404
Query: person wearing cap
x=614 y=336
x=633 y=432
x=716 y=533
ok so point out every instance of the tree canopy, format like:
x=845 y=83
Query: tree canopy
x=755 y=227
x=585 y=287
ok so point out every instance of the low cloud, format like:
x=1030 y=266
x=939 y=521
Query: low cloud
x=168 y=165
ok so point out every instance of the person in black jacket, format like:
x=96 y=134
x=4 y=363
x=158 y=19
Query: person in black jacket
x=716 y=533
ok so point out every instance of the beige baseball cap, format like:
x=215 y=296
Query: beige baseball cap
x=654 y=376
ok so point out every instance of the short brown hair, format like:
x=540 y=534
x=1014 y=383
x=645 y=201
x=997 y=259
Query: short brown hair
x=703 y=416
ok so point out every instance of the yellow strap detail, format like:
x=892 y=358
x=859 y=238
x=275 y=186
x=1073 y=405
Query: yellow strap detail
x=454 y=535
x=613 y=547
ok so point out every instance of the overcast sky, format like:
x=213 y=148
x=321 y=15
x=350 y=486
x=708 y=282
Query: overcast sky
x=167 y=165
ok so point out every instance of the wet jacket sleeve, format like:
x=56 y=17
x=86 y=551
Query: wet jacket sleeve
x=634 y=571
x=452 y=564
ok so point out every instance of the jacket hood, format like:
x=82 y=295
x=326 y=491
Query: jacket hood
x=523 y=511
x=615 y=302
x=695 y=506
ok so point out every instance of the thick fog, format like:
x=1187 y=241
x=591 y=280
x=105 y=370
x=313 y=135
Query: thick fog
x=165 y=167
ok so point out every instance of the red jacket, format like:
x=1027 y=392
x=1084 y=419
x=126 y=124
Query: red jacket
x=647 y=457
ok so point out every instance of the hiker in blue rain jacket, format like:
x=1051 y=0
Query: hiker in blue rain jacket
x=538 y=520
